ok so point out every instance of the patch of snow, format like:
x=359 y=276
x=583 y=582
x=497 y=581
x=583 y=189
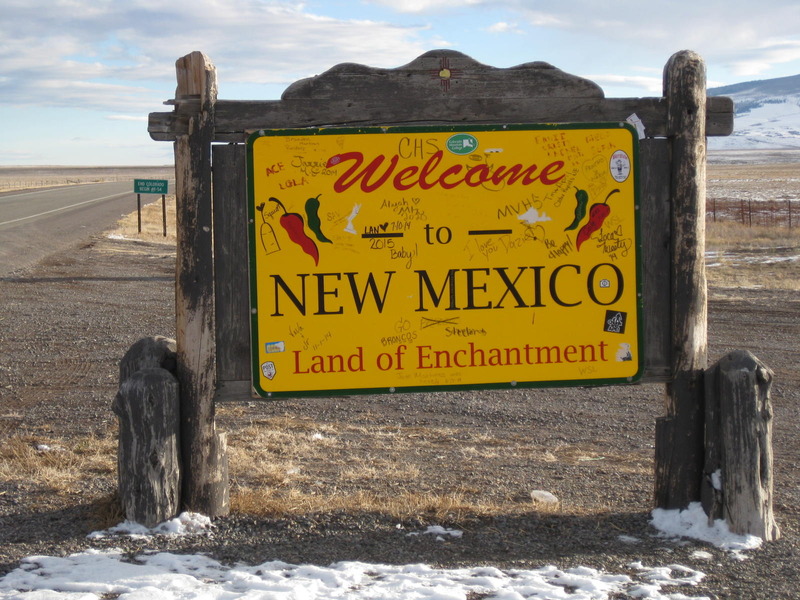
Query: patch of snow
x=716 y=480
x=717 y=259
x=693 y=523
x=96 y=574
x=187 y=523
x=439 y=531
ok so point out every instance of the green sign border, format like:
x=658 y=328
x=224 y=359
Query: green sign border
x=254 y=342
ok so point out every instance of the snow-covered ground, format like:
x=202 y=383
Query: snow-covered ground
x=773 y=124
x=733 y=259
x=98 y=575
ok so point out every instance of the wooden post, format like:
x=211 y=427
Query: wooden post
x=148 y=456
x=148 y=353
x=679 y=435
x=738 y=468
x=205 y=484
x=148 y=462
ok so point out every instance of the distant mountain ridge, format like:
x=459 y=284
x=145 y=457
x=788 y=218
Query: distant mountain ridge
x=767 y=114
x=780 y=86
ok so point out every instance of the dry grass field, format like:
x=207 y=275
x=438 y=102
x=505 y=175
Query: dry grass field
x=152 y=222
x=753 y=252
x=758 y=257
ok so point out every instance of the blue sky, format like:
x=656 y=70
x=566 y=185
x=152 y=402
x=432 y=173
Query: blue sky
x=79 y=77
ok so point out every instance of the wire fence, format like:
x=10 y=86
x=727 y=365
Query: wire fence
x=766 y=213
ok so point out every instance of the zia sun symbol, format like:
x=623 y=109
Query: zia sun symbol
x=445 y=73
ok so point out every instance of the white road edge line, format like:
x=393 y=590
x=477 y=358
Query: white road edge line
x=47 y=212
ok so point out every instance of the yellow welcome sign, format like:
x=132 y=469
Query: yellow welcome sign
x=398 y=259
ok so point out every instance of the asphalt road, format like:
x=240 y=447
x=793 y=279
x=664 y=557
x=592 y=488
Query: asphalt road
x=37 y=223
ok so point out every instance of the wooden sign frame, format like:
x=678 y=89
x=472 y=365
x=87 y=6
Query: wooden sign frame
x=440 y=87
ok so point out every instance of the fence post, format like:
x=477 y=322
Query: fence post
x=679 y=435
x=203 y=451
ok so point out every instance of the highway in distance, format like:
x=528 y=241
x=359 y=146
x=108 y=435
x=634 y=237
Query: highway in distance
x=37 y=223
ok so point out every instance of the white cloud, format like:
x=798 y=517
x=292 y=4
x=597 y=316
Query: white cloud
x=730 y=34
x=119 y=56
x=127 y=118
x=423 y=6
x=546 y=19
x=770 y=53
x=108 y=64
x=653 y=86
x=503 y=27
x=729 y=31
x=110 y=49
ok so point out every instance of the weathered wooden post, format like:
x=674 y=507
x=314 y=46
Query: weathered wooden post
x=148 y=463
x=147 y=353
x=738 y=462
x=203 y=452
x=148 y=457
x=679 y=435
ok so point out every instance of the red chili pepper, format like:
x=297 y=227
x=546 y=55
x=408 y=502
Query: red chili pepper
x=295 y=226
x=597 y=214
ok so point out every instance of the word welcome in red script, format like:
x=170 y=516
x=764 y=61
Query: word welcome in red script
x=375 y=174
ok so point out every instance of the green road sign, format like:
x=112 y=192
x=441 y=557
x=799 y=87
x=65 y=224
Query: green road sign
x=149 y=186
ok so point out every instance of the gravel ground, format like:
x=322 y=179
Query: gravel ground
x=65 y=324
